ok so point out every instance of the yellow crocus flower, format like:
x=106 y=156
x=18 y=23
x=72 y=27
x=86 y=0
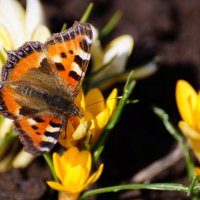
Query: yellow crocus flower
x=73 y=169
x=188 y=102
x=97 y=112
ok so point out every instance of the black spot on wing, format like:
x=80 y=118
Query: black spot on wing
x=79 y=61
x=47 y=145
x=55 y=125
x=27 y=111
x=63 y=55
x=70 y=51
x=51 y=134
x=34 y=127
x=84 y=45
x=38 y=119
x=60 y=67
x=74 y=75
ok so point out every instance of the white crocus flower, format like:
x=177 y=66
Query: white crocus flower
x=117 y=51
x=18 y=26
x=116 y=55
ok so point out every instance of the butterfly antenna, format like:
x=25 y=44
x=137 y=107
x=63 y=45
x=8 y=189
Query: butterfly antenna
x=119 y=97
x=65 y=127
x=65 y=136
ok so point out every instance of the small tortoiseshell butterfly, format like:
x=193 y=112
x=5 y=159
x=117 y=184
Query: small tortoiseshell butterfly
x=39 y=83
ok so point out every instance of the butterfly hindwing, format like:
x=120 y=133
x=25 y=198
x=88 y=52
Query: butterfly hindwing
x=38 y=134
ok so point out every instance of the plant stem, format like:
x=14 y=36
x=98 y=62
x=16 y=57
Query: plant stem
x=48 y=160
x=128 y=88
x=173 y=131
x=153 y=186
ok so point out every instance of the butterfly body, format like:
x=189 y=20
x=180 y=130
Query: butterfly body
x=39 y=84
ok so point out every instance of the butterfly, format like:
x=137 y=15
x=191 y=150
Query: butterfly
x=39 y=83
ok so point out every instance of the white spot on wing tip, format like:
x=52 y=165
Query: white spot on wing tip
x=57 y=59
x=44 y=149
x=31 y=121
x=89 y=41
x=76 y=68
x=52 y=129
x=49 y=139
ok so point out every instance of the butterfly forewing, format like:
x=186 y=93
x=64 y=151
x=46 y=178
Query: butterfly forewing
x=69 y=54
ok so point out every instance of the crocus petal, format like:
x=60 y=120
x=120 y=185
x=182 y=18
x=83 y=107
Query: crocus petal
x=81 y=130
x=80 y=100
x=197 y=113
x=63 y=164
x=56 y=186
x=186 y=98
x=94 y=101
x=58 y=166
x=121 y=47
x=70 y=157
x=40 y=33
x=5 y=127
x=111 y=101
x=97 y=51
x=197 y=171
x=85 y=159
x=22 y=159
x=34 y=16
x=5 y=38
x=12 y=16
x=188 y=131
x=74 y=179
x=94 y=176
x=195 y=147
x=102 y=118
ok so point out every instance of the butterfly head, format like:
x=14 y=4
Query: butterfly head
x=73 y=110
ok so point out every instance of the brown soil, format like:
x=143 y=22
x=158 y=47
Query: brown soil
x=169 y=29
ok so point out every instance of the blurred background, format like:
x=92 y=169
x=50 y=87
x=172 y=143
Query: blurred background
x=166 y=29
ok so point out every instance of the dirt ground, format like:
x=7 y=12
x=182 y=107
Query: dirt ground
x=167 y=29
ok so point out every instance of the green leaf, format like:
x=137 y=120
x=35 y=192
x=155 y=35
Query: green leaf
x=8 y=139
x=112 y=23
x=64 y=27
x=49 y=162
x=153 y=186
x=87 y=13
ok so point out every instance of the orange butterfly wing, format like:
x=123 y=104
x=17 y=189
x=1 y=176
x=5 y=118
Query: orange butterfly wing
x=18 y=63
x=69 y=54
x=38 y=134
